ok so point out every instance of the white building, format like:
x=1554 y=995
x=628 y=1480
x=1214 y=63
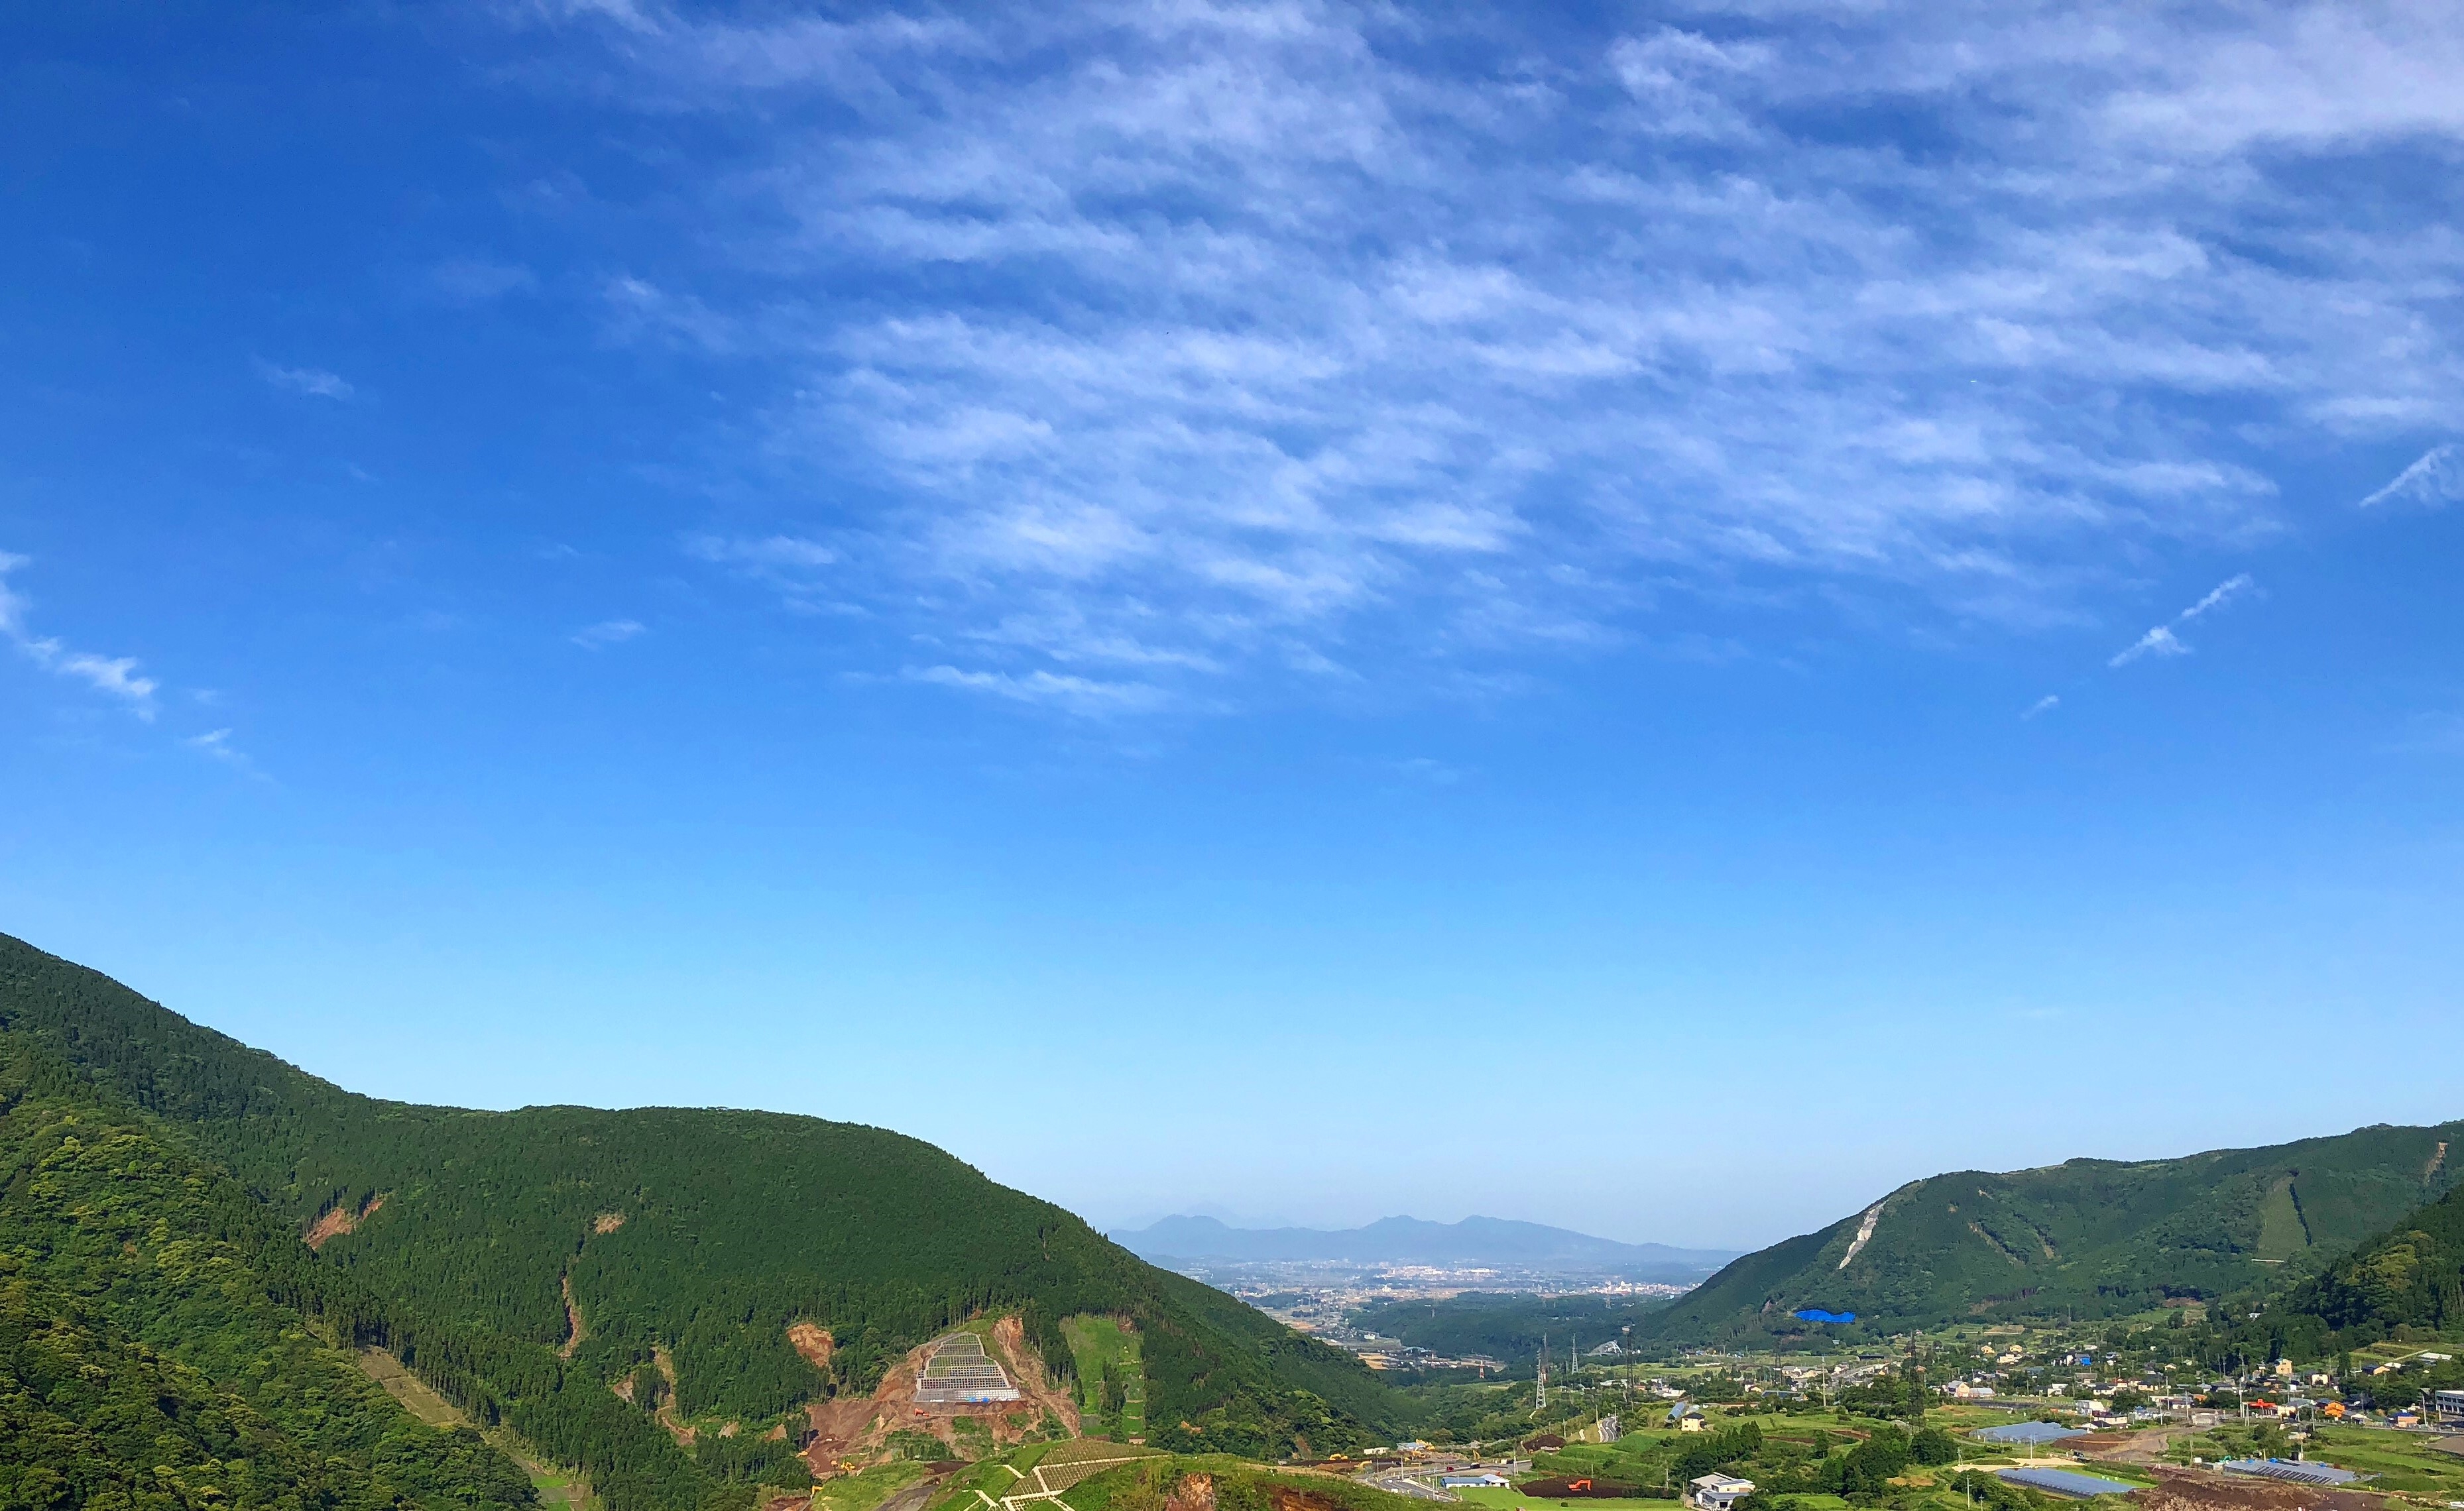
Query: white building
x=1717 y=1492
x=2447 y=1407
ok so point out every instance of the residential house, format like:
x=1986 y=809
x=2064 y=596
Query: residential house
x=1717 y=1492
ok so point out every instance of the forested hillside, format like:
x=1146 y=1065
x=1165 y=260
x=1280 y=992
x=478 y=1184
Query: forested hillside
x=691 y=1239
x=2088 y=1237
x=151 y=1355
x=2409 y=1277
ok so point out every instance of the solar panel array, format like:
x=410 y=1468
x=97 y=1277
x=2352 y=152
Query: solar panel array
x=2064 y=1483
x=958 y=1372
x=2299 y=1474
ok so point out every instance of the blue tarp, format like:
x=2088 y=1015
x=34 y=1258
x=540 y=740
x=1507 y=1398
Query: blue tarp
x=1817 y=1314
x=2065 y=1482
x=2029 y=1432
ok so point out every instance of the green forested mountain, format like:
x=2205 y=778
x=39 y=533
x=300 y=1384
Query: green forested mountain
x=452 y=1237
x=145 y=1358
x=2088 y=1237
x=2412 y=1276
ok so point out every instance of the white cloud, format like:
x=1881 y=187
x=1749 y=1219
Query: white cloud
x=2044 y=705
x=2437 y=479
x=1226 y=338
x=216 y=745
x=2163 y=641
x=1071 y=694
x=314 y=381
x=2158 y=642
x=2223 y=593
x=606 y=633
x=116 y=675
x=772 y=553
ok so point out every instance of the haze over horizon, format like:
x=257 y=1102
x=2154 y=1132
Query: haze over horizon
x=1654 y=620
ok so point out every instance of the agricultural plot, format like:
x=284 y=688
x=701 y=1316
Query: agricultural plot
x=2406 y=1463
x=959 y=1372
x=1111 y=1379
x=1069 y=1463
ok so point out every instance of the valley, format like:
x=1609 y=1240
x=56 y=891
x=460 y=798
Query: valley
x=276 y=1292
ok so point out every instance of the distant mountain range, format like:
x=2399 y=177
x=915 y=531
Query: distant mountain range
x=1475 y=1242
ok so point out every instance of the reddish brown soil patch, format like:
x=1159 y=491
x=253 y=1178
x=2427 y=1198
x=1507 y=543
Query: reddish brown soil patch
x=1193 y=1492
x=607 y=1222
x=666 y=1415
x=1009 y=1342
x=336 y=1221
x=1286 y=1497
x=2195 y=1490
x=851 y=1429
x=813 y=1343
x=574 y=1331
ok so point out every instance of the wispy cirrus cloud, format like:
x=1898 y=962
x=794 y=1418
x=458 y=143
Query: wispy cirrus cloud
x=116 y=676
x=2437 y=479
x=765 y=553
x=314 y=382
x=1241 y=337
x=215 y=745
x=607 y=632
x=2162 y=641
x=1068 y=694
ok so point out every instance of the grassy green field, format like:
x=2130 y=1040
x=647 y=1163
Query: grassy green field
x=558 y=1490
x=861 y=1492
x=2403 y=1462
x=1094 y=1344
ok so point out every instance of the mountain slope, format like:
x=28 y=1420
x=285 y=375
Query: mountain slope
x=2412 y=1276
x=145 y=1358
x=2089 y=1237
x=691 y=1239
x=1409 y=1240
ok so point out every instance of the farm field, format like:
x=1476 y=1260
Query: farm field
x=1103 y=1348
x=2404 y=1463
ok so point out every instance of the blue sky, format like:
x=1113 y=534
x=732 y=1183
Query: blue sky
x=1650 y=618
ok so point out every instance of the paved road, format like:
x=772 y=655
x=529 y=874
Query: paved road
x=1405 y=1485
x=912 y=1497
